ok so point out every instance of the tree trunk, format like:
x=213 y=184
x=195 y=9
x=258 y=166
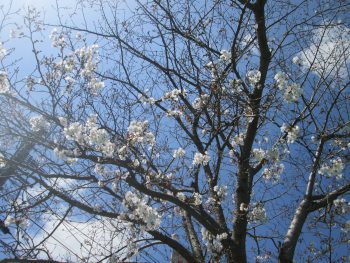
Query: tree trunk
x=287 y=249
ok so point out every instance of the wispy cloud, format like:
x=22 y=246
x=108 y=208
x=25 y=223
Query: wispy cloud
x=76 y=241
x=329 y=51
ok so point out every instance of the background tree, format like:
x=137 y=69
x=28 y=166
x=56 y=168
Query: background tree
x=217 y=129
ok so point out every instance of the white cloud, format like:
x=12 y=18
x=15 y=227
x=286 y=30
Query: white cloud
x=94 y=239
x=330 y=49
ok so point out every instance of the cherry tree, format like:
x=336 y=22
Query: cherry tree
x=218 y=130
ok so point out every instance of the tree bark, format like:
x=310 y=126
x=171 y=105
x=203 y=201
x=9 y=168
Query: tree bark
x=286 y=252
x=192 y=237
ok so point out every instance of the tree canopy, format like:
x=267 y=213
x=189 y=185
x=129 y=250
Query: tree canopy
x=215 y=130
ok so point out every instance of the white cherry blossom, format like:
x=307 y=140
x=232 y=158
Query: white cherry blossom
x=200 y=158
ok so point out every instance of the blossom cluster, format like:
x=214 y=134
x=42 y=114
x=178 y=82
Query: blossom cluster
x=263 y=258
x=273 y=172
x=292 y=132
x=3 y=51
x=155 y=176
x=181 y=196
x=57 y=39
x=213 y=243
x=346 y=227
x=334 y=169
x=236 y=85
x=213 y=68
x=20 y=221
x=221 y=192
x=238 y=140
x=91 y=135
x=243 y=207
x=258 y=214
x=200 y=158
x=141 y=211
x=147 y=100
x=297 y=61
x=68 y=64
x=30 y=82
x=138 y=133
x=292 y=91
x=174 y=94
x=39 y=123
x=63 y=154
x=225 y=55
x=217 y=66
x=99 y=138
x=200 y=102
x=4 y=83
x=109 y=173
x=276 y=168
x=85 y=58
x=2 y=160
x=95 y=86
x=197 y=199
x=341 y=206
x=281 y=79
x=178 y=153
x=259 y=154
x=88 y=58
x=173 y=113
x=75 y=131
x=253 y=76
